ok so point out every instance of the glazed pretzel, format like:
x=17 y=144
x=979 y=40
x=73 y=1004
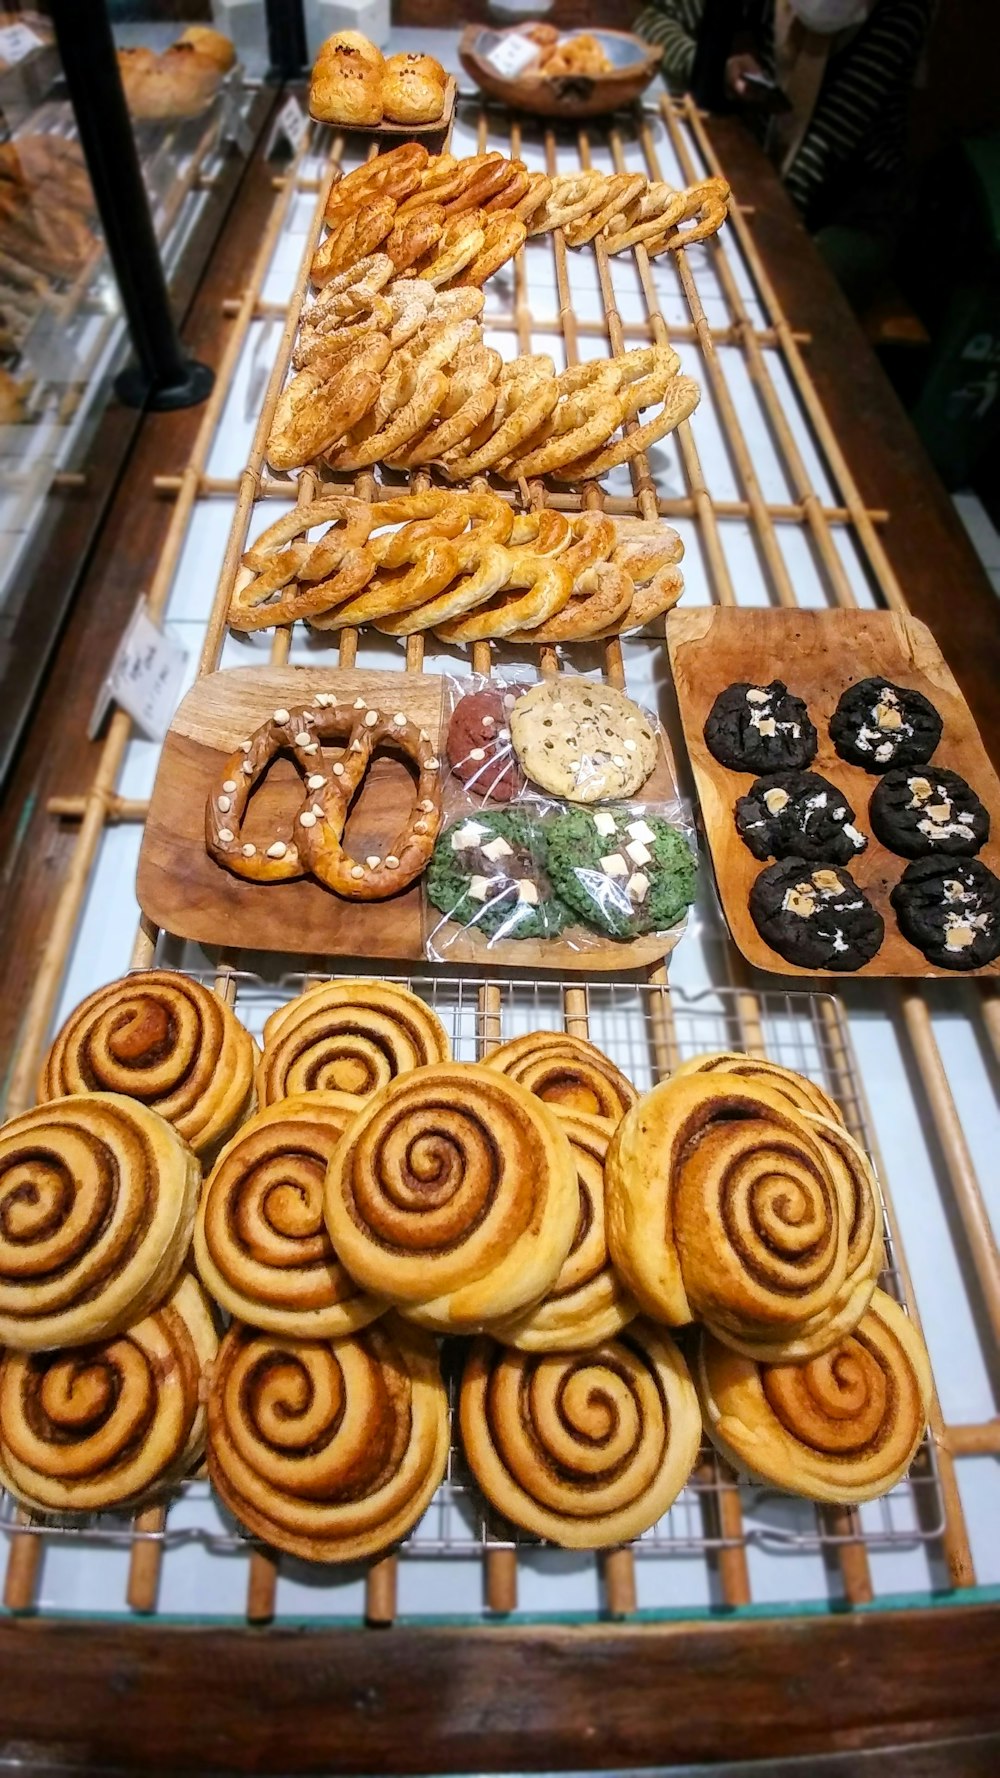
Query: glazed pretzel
x=321 y=826
x=503 y=236
x=283 y=554
x=548 y=587
x=393 y=175
x=353 y=236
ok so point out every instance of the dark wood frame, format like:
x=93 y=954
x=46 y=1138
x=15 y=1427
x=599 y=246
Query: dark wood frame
x=158 y=1697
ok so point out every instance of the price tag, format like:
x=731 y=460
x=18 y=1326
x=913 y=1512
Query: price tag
x=16 y=42
x=145 y=676
x=513 y=54
x=290 y=126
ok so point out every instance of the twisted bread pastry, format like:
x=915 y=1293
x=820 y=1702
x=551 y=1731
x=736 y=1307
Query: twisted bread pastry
x=586 y=1449
x=723 y=1207
x=97 y=1202
x=454 y=1194
x=587 y=1303
x=567 y=1072
x=329 y=1450
x=351 y=1036
x=108 y=1425
x=800 y=1092
x=260 y=1242
x=161 y=1037
x=843 y=1428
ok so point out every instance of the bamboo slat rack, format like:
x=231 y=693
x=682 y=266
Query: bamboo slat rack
x=754 y=329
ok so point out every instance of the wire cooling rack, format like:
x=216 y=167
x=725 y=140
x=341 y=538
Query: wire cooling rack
x=645 y=1028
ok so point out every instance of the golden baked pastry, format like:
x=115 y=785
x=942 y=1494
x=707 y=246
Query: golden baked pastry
x=843 y=1428
x=114 y=1423
x=798 y=1089
x=724 y=1205
x=567 y=1072
x=97 y=1202
x=164 y=1038
x=213 y=44
x=353 y=40
x=182 y=82
x=413 y=89
x=260 y=1242
x=346 y=88
x=352 y=1036
x=588 y=1302
x=329 y=1450
x=454 y=1194
x=587 y=1449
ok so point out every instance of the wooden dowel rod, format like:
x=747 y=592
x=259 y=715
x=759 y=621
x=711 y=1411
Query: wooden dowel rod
x=618 y=1567
x=145 y=1562
x=24 y=1562
x=734 y=1572
x=501 y=1580
x=262 y=1586
x=117 y=808
x=380 y=1591
x=852 y=1557
x=972 y=1441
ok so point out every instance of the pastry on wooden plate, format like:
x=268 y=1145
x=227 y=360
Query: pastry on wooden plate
x=798 y=815
x=927 y=811
x=166 y=1039
x=114 y=1422
x=488 y=873
x=329 y=1449
x=454 y=1194
x=877 y=725
x=213 y=44
x=260 y=1241
x=624 y=871
x=97 y=1203
x=760 y=729
x=349 y=1036
x=582 y=740
x=843 y=1428
x=413 y=88
x=950 y=909
x=479 y=746
x=815 y=915
x=587 y=1449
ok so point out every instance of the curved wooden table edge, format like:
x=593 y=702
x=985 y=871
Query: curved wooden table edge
x=422 y=1699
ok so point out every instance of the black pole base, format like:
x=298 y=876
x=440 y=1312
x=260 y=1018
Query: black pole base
x=133 y=390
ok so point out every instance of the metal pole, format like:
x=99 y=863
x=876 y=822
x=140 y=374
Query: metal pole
x=286 y=39
x=165 y=377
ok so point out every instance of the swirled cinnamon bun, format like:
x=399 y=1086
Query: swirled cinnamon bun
x=587 y=1303
x=454 y=1195
x=724 y=1206
x=97 y=1203
x=330 y=1450
x=260 y=1243
x=350 y=1036
x=798 y=1089
x=165 y=1039
x=587 y=1449
x=108 y=1425
x=844 y=1427
x=567 y=1071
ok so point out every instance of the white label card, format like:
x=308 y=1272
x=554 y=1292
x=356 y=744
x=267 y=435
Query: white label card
x=16 y=42
x=513 y=54
x=290 y=124
x=145 y=676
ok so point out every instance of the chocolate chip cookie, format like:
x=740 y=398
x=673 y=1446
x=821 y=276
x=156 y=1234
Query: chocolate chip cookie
x=798 y=815
x=582 y=740
x=950 y=909
x=918 y=813
x=815 y=915
x=479 y=747
x=760 y=728
x=878 y=725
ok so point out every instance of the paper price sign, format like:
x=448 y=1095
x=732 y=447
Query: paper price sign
x=16 y=42
x=512 y=55
x=291 y=124
x=145 y=676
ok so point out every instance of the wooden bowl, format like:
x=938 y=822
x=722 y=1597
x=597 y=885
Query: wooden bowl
x=562 y=95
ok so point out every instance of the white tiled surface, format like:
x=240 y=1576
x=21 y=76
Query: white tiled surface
x=195 y=1582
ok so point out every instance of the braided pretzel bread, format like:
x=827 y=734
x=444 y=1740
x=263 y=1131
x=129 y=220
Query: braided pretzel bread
x=681 y=399
x=430 y=564
x=393 y=175
x=452 y=430
x=601 y=597
x=462 y=239
x=503 y=236
x=483 y=568
x=270 y=567
x=409 y=419
x=328 y=351
x=615 y=194
x=315 y=410
x=515 y=189
x=414 y=236
x=351 y=238
x=520 y=425
x=322 y=824
x=535 y=198
x=548 y=585
x=484 y=182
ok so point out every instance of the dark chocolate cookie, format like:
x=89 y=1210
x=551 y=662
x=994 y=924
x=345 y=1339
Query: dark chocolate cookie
x=917 y=813
x=479 y=747
x=798 y=815
x=950 y=909
x=760 y=728
x=877 y=725
x=815 y=915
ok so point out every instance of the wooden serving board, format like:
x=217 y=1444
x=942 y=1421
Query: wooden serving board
x=182 y=890
x=819 y=654
x=394 y=132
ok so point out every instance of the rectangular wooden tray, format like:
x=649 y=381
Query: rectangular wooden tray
x=819 y=654
x=184 y=891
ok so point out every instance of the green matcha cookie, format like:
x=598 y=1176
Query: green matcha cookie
x=621 y=871
x=488 y=871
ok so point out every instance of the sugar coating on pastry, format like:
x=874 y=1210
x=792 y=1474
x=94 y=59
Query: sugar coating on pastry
x=582 y=740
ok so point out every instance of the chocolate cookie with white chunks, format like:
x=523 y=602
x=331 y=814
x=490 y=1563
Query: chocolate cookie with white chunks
x=798 y=815
x=877 y=725
x=814 y=915
x=622 y=871
x=488 y=872
x=925 y=812
x=950 y=909
x=583 y=740
x=479 y=746
x=760 y=729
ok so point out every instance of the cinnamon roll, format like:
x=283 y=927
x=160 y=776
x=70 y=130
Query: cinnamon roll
x=109 y=1425
x=260 y=1242
x=586 y=1449
x=330 y=1450
x=566 y=1071
x=160 y=1037
x=454 y=1194
x=97 y=1202
x=350 y=1036
x=798 y=1089
x=723 y=1206
x=844 y=1427
x=587 y=1303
